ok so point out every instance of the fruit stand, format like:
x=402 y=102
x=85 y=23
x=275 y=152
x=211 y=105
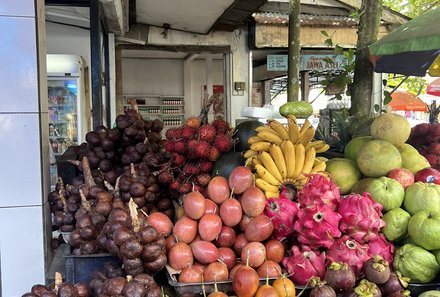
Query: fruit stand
x=252 y=210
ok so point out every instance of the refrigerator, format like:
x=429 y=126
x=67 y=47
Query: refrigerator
x=68 y=105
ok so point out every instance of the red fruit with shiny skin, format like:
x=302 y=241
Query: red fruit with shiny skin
x=269 y=269
x=194 y=205
x=259 y=229
x=210 y=226
x=226 y=238
x=256 y=252
x=240 y=243
x=218 y=189
x=211 y=207
x=180 y=256
x=227 y=256
x=231 y=212
x=185 y=230
x=245 y=282
x=244 y=222
x=275 y=250
x=253 y=201
x=205 y=252
x=161 y=222
x=428 y=175
x=235 y=269
x=216 y=271
x=240 y=179
x=190 y=274
x=403 y=176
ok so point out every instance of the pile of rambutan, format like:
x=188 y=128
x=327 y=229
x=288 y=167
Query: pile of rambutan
x=193 y=149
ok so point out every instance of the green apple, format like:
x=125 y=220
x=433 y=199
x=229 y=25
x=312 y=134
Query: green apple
x=387 y=191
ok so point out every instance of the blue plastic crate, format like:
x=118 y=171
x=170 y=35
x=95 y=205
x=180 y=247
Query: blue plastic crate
x=80 y=268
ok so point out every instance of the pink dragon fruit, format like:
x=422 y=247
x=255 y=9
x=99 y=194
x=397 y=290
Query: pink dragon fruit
x=348 y=250
x=317 y=226
x=282 y=212
x=380 y=246
x=361 y=217
x=305 y=264
x=319 y=189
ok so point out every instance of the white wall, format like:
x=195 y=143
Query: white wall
x=152 y=76
x=78 y=42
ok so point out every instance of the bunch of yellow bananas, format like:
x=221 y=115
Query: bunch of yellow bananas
x=282 y=155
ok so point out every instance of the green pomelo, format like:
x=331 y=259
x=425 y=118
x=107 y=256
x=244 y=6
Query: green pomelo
x=354 y=146
x=299 y=109
x=424 y=229
x=387 y=191
x=413 y=161
x=391 y=127
x=361 y=186
x=377 y=158
x=406 y=146
x=422 y=196
x=344 y=173
x=396 y=221
x=416 y=263
x=430 y=293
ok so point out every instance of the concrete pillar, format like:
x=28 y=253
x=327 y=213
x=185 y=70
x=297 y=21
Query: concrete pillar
x=24 y=147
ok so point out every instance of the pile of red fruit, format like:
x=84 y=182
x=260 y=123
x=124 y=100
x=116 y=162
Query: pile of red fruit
x=193 y=148
x=426 y=138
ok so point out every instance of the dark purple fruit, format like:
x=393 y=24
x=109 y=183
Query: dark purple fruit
x=377 y=270
x=340 y=277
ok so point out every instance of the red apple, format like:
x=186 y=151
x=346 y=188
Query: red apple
x=428 y=175
x=403 y=176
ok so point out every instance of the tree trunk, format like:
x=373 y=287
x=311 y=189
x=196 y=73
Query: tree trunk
x=361 y=91
x=294 y=51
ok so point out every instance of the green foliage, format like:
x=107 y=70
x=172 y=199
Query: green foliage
x=411 y=8
x=413 y=84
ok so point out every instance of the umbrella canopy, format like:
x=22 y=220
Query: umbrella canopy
x=433 y=88
x=402 y=100
x=411 y=48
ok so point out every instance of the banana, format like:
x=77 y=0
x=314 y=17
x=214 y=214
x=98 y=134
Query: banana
x=289 y=156
x=270 y=165
x=316 y=162
x=265 y=128
x=261 y=146
x=269 y=194
x=293 y=128
x=318 y=168
x=309 y=160
x=317 y=144
x=264 y=174
x=265 y=186
x=304 y=127
x=325 y=148
x=323 y=159
x=278 y=157
x=254 y=139
x=307 y=136
x=299 y=159
x=270 y=137
x=255 y=161
x=250 y=153
x=279 y=128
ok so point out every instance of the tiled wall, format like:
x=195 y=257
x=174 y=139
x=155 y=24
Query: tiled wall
x=23 y=146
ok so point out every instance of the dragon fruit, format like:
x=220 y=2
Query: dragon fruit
x=380 y=246
x=317 y=226
x=282 y=212
x=319 y=189
x=361 y=217
x=348 y=250
x=305 y=264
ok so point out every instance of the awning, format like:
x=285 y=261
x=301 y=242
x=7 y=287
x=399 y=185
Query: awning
x=407 y=101
x=433 y=88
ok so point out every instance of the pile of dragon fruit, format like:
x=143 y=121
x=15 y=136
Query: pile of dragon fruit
x=321 y=227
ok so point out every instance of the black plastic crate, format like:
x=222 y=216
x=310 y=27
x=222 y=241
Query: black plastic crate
x=80 y=268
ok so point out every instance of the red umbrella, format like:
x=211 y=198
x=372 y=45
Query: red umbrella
x=402 y=100
x=434 y=88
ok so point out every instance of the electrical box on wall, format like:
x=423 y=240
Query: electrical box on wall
x=239 y=87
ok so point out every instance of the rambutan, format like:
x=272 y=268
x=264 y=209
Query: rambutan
x=175 y=185
x=203 y=149
x=193 y=122
x=207 y=133
x=180 y=147
x=222 y=143
x=185 y=187
x=188 y=132
x=203 y=179
x=165 y=177
x=171 y=133
x=432 y=159
x=221 y=126
x=191 y=168
x=169 y=146
x=434 y=148
x=213 y=154
x=206 y=166
x=178 y=160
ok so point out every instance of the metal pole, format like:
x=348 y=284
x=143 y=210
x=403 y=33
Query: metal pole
x=294 y=51
x=95 y=52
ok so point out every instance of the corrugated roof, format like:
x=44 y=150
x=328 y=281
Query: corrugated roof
x=306 y=19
